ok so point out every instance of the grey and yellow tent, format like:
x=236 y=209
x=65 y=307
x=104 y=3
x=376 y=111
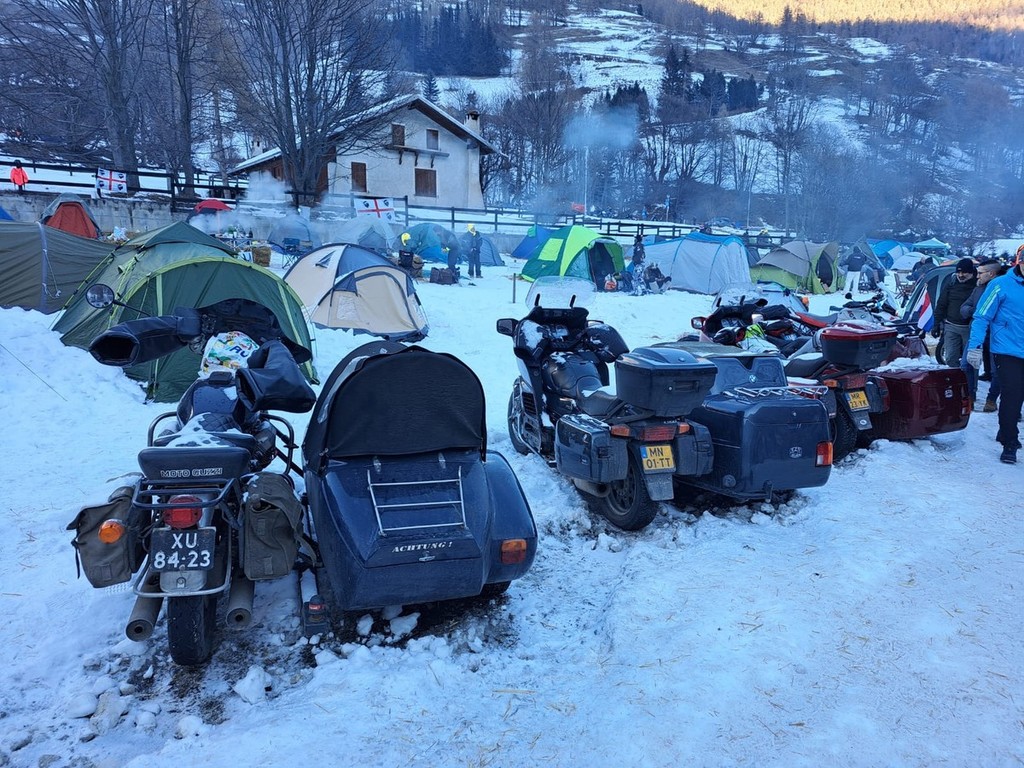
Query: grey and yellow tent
x=177 y=266
x=801 y=265
x=576 y=252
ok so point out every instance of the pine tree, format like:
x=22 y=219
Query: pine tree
x=430 y=90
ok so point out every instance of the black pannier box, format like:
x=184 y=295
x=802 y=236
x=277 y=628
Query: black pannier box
x=585 y=449
x=665 y=380
x=856 y=345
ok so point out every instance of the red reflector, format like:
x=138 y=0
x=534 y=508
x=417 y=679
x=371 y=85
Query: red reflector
x=659 y=433
x=855 y=381
x=513 y=551
x=183 y=516
x=823 y=456
x=621 y=430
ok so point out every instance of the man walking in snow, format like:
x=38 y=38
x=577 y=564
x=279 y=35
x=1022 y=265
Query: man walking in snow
x=474 y=251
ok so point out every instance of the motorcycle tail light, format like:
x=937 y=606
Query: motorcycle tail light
x=621 y=430
x=186 y=513
x=823 y=455
x=658 y=433
x=855 y=381
x=682 y=428
x=111 y=531
x=513 y=551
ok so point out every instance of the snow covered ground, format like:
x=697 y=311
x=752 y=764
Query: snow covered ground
x=875 y=621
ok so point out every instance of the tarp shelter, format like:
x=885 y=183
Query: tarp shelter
x=293 y=234
x=489 y=255
x=346 y=286
x=933 y=246
x=432 y=242
x=41 y=267
x=370 y=232
x=803 y=266
x=701 y=263
x=576 y=251
x=177 y=266
x=4 y=215
x=70 y=214
x=211 y=205
x=536 y=236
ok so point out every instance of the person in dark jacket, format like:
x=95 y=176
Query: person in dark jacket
x=1001 y=313
x=949 y=324
x=987 y=269
x=474 y=251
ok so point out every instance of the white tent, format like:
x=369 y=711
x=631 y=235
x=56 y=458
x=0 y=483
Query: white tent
x=349 y=287
x=701 y=263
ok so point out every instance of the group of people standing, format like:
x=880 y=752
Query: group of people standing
x=979 y=317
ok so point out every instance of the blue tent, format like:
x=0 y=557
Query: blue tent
x=4 y=215
x=888 y=251
x=536 y=236
x=489 y=256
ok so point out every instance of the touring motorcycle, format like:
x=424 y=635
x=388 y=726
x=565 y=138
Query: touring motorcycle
x=205 y=518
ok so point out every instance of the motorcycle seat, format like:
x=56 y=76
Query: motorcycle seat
x=207 y=429
x=804 y=366
x=599 y=404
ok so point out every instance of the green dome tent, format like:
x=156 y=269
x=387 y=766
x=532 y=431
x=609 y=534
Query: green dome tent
x=177 y=266
x=801 y=265
x=576 y=252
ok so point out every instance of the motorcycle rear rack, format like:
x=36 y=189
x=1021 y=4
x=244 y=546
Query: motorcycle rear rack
x=450 y=497
x=814 y=392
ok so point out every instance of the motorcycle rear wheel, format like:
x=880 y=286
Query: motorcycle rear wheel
x=515 y=424
x=628 y=505
x=844 y=437
x=191 y=622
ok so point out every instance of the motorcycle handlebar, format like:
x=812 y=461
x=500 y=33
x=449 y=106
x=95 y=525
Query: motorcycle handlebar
x=146 y=339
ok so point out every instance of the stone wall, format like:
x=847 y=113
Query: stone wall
x=133 y=215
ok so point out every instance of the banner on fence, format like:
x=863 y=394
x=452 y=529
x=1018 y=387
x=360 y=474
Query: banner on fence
x=111 y=181
x=381 y=207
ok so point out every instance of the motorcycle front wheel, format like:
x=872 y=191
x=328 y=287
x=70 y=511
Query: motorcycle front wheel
x=515 y=424
x=628 y=505
x=191 y=622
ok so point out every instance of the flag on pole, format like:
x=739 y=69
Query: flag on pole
x=922 y=312
x=111 y=181
x=380 y=207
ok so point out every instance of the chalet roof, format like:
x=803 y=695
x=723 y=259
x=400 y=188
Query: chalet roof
x=428 y=108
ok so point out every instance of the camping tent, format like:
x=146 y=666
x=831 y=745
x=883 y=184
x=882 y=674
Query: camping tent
x=211 y=206
x=576 y=251
x=536 y=236
x=888 y=251
x=933 y=246
x=293 y=235
x=4 y=215
x=40 y=267
x=489 y=255
x=920 y=305
x=432 y=242
x=69 y=213
x=801 y=265
x=346 y=286
x=701 y=263
x=177 y=266
x=370 y=232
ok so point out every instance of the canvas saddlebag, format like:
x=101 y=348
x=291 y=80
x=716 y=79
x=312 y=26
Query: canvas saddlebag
x=109 y=564
x=271 y=526
x=442 y=276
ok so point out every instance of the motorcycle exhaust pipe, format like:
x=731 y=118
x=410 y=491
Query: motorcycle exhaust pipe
x=594 y=489
x=145 y=611
x=239 y=613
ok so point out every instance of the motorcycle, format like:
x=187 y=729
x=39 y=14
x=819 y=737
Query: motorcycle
x=205 y=518
x=628 y=449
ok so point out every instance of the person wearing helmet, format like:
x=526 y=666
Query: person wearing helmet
x=474 y=251
x=406 y=258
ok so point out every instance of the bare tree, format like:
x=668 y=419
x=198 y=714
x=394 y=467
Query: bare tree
x=784 y=126
x=315 y=80
x=105 y=40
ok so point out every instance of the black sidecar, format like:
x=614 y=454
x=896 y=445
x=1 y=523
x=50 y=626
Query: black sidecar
x=408 y=505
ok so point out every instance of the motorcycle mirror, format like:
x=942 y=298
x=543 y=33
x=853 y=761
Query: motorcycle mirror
x=99 y=296
x=506 y=326
x=697 y=323
x=572 y=301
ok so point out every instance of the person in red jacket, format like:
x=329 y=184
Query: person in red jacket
x=18 y=176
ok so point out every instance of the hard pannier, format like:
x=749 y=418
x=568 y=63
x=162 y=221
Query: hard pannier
x=272 y=527
x=665 y=380
x=108 y=564
x=856 y=345
x=585 y=449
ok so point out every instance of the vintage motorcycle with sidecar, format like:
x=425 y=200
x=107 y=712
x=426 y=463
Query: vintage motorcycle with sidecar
x=632 y=447
x=407 y=503
x=206 y=518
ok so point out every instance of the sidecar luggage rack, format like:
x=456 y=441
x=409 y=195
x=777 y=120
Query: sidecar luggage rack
x=438 y=504
x=813 y=392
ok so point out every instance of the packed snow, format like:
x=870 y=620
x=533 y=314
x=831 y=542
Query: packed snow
x=873 y=621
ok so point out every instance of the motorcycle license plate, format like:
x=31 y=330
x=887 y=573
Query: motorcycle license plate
x=657 y=458
x=191 y=550
x=858 y=400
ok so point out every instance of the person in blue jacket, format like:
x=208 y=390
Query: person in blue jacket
x=1000 y=313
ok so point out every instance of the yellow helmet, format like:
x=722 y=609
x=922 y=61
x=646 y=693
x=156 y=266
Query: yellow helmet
x=470 y=227
x=405 y=238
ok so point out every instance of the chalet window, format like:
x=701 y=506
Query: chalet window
x=433 y=139
x=426 y=182
x=398 y=135
x=358 y=177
